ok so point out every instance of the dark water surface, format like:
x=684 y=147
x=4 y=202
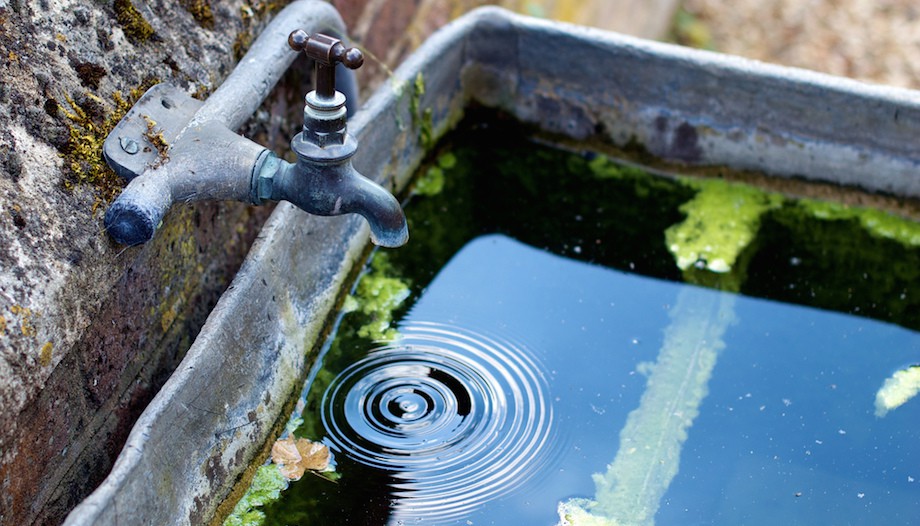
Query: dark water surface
x=519 y=360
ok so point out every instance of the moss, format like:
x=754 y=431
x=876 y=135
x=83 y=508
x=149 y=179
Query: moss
x=202 y=92
x=155 y=137
x=136 y=28
x=241 y=44
x=422 y=118
x=249 y=12
x=90 y=74
x=267 y=485
x=201 y=12
x=87 y=130
x=426 y=128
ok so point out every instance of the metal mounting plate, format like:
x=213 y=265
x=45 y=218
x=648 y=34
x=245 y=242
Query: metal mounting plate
x=163 y=110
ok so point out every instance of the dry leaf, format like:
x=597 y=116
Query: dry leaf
x=292 y=471
x=285 y=452
x=294 y=458
x=315 y=454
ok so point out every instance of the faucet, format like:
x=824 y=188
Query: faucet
x=192 y=154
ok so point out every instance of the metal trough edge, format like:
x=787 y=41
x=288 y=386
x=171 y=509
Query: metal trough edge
x=213 y=416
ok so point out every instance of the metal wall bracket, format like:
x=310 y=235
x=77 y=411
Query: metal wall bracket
x=155 y=121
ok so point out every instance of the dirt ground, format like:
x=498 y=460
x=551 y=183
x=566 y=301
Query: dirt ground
x=871 y=40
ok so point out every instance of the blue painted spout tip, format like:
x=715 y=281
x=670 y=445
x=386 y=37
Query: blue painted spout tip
x=128 y=224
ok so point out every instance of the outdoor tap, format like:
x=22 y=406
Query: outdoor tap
x=323 y=181
x=175 y=149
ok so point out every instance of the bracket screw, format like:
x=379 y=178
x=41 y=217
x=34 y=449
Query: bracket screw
x=129 y=145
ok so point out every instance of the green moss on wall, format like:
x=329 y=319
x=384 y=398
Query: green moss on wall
x=136 y=28
x=201 y=12
x=88 y=126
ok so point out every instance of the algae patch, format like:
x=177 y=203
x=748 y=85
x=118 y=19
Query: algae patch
x=897 y=390
x=377 y=296
x=877 y=222
x=267 y=485
x=722 y=220
x=432 y=182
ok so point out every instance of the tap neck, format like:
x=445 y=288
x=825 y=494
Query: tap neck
x=324 y=138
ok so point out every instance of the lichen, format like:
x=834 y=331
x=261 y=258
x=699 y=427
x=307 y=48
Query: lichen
x=45 y=354
x=722 y=221
x=267 y=485
x=900 y=387
x=25 y=314
x=136 y=28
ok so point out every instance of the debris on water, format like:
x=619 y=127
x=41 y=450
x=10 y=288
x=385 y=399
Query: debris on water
x=295 y=457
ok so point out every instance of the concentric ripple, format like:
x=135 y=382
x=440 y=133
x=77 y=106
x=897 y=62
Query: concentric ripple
x=455 y=417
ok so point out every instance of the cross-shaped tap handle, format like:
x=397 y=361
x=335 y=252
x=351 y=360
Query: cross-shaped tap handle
x=326 y=52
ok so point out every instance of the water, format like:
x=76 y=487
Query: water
x=523 y=362
x=499 y=429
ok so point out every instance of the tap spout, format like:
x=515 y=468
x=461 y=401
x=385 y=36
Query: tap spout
x=336 y=189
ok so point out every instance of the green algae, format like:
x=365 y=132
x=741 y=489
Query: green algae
x=378 y=294
x=876 y=222
x=722 y=221
x=266 y=487
x=432 y=182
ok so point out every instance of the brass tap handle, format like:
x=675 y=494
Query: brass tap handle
x=326 y=52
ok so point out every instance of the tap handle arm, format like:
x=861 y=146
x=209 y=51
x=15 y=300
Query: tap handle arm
x=326 y=52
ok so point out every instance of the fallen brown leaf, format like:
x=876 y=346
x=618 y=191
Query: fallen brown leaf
x=295 y=457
